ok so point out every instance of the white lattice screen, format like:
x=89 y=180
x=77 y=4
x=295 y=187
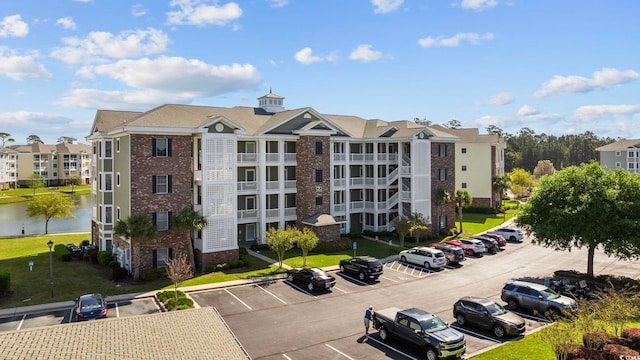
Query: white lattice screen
x=219 y=234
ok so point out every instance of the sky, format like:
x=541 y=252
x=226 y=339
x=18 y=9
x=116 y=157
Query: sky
x=555 y=67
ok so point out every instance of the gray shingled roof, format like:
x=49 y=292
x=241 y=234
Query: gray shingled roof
x=620 y=145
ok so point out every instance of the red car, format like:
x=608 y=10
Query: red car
x=497 y=237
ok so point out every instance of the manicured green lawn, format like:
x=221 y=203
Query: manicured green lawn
x=25 y=194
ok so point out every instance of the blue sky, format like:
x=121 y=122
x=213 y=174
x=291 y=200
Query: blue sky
x=557 y=67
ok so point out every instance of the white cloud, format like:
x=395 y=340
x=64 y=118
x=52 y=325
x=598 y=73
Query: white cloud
x=593 y=112
x=67 y=23
x=305 y=56
x=99 y=45
x=603 y=79
x=528 y=110
x=278 y=3
x=185 y=78
x=478 y=5
x=365 y=53
x=197 y=12
x=115 y=100
x=385 y=6
x=13 y=26
x=138 y=10
x=473 y=38
x=500 y=99
x=20 y=67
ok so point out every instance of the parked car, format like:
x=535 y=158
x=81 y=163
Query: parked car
x=366 y=267
x=511 y=234
x=312 y=278
x=454 y=254
x=533 y=296
x=502 y=242
x=424 y=256
x=490 y=244
x=489 y=315
x=90 y=306
x=471 y=247
x=76 y=251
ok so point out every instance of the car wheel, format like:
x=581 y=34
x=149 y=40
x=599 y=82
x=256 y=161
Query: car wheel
x=498 y=331
x=512 y=238
x=512 y=304
x=290 y=277
x=310 y=286
x=471 y=252
x=460 y=319
x=427 y=265
x=403 y=259
x=431 y=354
x=384 y=334
x=553 y=313
x=342 y=269
x=362 y=276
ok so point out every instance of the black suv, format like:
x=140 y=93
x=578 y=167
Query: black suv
x=488 y=315
x=367 y=267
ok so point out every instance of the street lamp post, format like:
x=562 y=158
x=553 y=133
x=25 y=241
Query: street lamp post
x=50 y=245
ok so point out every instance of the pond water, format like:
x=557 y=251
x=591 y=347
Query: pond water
x=13 y=217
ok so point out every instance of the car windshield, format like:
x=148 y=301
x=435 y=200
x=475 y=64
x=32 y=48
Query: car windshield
x=439 y=254
x=550 y=294
x=318 y=272
x=432 y=325
x=495 y=309
x=89 y=304
x=375 y=264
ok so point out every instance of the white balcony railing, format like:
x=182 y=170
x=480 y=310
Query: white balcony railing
x=290 y=184
x=244 y=186
x=272 y=213
x=248 y=214
x=247 y=157
x=288 y=212
x=339 y=157
x=356 y=205
x=339 y=182
x=272 y=157
x=339 y=207
x=272 y=185
x=356 y=181
x=290 y=157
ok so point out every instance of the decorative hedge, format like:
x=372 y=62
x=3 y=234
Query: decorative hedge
x=62 y=253
x=5 y=282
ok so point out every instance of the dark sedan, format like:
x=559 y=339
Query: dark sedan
x=311 y=278
x=489 y=243
x=488 y=314
x=90 y=306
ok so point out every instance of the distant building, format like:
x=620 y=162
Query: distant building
x=8 y=168
x=56 y=163
x=622 y=154
x=249 y=169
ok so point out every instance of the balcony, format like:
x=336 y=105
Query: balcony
x=356 y=181
x=290 y=157
x=290 y=212
x=272 y=185
x=249 y=214
x=247 y=186
x=388 y=157
x=339 y=182
x=356 y=205
x=339 y=208
x=272 y=214
x=339 y=157
x=290 y=184
x=272 y=157
x=247 y=157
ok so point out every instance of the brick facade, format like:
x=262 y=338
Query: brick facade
x=442 y=161
x=208 y=259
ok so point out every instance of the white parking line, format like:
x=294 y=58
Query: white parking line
x=356 y=280
x=299 y=288
x=390 y=279
x=337 y=288
x=117 y=310
x=70 y=316
x=268 y=292
x=235 y=297
x=467 y=331
x=286 y=357
x=391 y=348
x=339 y=352
x=21 y=321
x=532 y=317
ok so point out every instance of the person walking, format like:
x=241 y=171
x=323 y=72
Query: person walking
x=368 y=316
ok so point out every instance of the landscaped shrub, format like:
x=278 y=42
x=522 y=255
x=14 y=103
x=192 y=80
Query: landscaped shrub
x=104 y=258
x=453 y=232
x=62 y=253
x=615 y=352
x=152 y=274
x=5 y=282
x=242 y=251
x=632 y=335
x=259 y=247
x=119 y=273
x=163 y=296
x=113 y=264
x=354 y=234
x=568 y=351
x=596 y=340
x=180 y=304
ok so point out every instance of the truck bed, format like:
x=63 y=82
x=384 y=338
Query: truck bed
x=388 y=313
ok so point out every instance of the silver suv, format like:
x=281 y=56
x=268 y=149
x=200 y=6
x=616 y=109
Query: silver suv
x=537 y=297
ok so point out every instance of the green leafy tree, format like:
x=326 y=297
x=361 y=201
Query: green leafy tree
x=586 y=206
x=463 y=198
x=500 y=184
x=51 y=205
x=5 y=138
x=442 y=197
x=307 y=240
x=402 y=226
x=178 y=270
x=189 y=220
x=280 y=240
x=418 y=226
x=36 y=181
x=544 y=167
x=521 y=181
x=73 y=182
x=137 y=228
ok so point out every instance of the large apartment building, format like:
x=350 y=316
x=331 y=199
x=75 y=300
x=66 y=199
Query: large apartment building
x=57 y=163
x=479 y=159
x=247 y=169
x=622 y=154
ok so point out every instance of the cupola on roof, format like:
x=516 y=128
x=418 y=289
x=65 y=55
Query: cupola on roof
x=271 y=102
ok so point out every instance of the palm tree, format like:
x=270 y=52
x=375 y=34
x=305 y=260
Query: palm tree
x=34 y=139
x=418 y=225
x=5 y=138
x=189 y=221
x=402 y=226
x=500 y=184
x=442 y=197
x=137 y=228
x=463 y=198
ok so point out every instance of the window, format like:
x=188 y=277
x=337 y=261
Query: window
x=618 y=153
x=118 y=179
x=442 y=174
x=464 y=185
x=108 y=215
x=464 y=167
x=318 y=175
x=161 y=147
x=161 y=220
x=107 y=148
x=443 y=221
x=107 y=182
x=118 y=213
x=442 y=150
x=318 y=147
x=319 y=200
x=160 y=256
x=161 y=184
x=464 y=150
x=618 y=164
x=118 y=145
